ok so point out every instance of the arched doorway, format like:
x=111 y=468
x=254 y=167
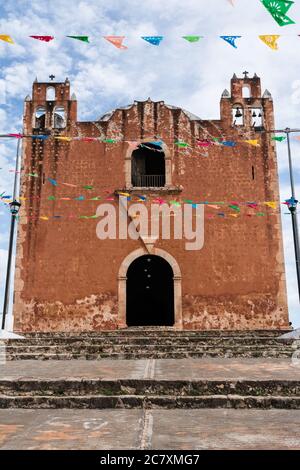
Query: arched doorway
x=150 y=292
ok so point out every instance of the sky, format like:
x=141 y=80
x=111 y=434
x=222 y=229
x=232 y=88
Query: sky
x=191 y=76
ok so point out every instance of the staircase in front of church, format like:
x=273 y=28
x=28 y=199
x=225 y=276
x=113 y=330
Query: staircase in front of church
x=167 y=369
x=149 y=343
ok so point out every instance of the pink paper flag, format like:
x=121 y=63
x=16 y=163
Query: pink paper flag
x=89 y=139
x=43 y=38
x=17 y=136
x=203 y=143
x=116 y=41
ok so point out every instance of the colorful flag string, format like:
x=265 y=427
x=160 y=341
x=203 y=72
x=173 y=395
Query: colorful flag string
x=136 y=143
x=270 y=40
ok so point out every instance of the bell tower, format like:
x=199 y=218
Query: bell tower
x=245 y=107
x=51 y=107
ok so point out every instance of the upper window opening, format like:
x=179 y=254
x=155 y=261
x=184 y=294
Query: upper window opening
x=50 y=94
x=148 y=166
x=40 y=118
x=59 y=118
x=238 y=115
x=246 y=91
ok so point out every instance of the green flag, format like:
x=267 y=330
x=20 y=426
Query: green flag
x=278 y=139
x=182 y=144
x=277 y=6
x=278 y=9
x=192 y=38
x=80 y=38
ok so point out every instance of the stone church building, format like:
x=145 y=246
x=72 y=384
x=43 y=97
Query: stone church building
x=67 y=279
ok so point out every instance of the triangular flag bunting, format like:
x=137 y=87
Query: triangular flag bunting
x=158 y=143
x=229 y=143
x=192 y=38
x=181 y=144
x=255 y=142
x=279 y=139
x=67 y=139
x=43 y=38
x=271 y=204
x=80 y=38
x=278 y=9
x=52 y=181
x=17 y=136
x=41 y=137
x=282 y=20
x=203 y=143
x=71 y=185
x=6 y=38
x=117 y=41
x=231 y=40
x=154 y=40
x=270 y=40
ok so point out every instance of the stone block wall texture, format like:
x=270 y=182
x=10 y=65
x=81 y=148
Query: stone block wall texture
x=68 y=280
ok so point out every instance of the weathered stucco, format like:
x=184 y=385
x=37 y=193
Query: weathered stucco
x=69 y=280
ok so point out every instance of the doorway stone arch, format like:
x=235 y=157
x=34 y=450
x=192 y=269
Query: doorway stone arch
x=122 y=278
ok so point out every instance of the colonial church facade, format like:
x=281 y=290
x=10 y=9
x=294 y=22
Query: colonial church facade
x=68 y=279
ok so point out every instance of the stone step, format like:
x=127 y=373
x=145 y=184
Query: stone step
x=181 y=340
x=154 y=401
x=137 y=349
x=147 y=332
x=154 y=354
x=135 y=352
x=148 y=387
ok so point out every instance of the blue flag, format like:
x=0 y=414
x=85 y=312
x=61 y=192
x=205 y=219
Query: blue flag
x=228 y=143
x=231 y=40
x=158 y=144
x=42 y=137
x=154 y=40
x=54 y=182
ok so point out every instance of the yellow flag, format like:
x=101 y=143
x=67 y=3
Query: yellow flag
x=67 y=139
x=271 y=204
x=44 y=217
x=255 y=142
x=270 y=40
x=234 y=215
x=6 y=38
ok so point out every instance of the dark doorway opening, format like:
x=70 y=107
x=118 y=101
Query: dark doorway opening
x=150 y=292
x=148 y=166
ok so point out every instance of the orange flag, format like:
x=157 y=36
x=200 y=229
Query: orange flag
x=116 y=41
